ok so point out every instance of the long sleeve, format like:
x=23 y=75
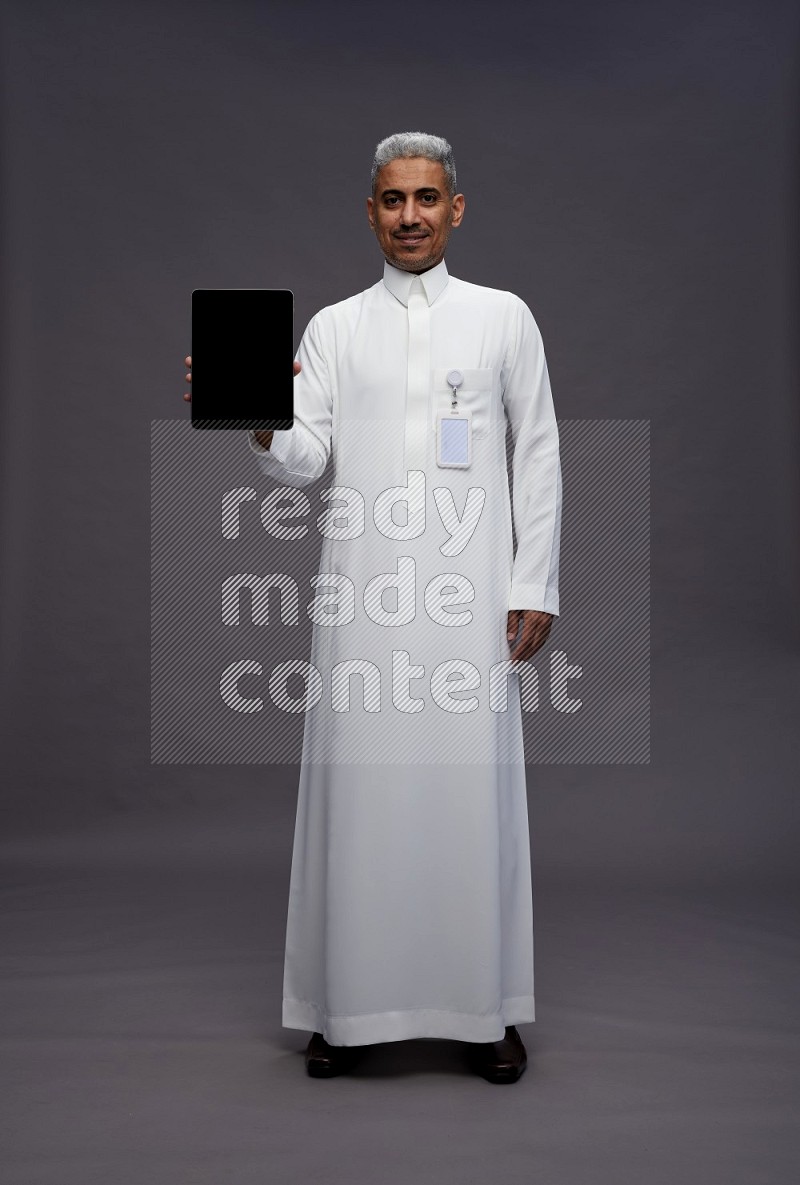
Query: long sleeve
x=298 y=455
x=536 y=467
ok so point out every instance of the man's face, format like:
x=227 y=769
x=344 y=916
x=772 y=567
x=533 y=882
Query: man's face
x=411 y=213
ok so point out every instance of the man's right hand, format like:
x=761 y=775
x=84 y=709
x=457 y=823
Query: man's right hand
x=263 y=438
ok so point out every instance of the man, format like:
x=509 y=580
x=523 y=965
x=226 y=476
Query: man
x=410 y=910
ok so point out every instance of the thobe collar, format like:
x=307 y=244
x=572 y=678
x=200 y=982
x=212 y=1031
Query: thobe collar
x=399 y=282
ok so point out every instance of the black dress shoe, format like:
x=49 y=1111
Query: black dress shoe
x=499 y=1061
x=325 y=1061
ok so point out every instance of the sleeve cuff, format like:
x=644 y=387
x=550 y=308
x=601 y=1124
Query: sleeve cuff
x=533 y=596
x=279 y=448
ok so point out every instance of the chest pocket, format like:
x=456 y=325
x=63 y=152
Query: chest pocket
x=476 y=393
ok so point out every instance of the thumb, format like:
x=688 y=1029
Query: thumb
x=513 y=623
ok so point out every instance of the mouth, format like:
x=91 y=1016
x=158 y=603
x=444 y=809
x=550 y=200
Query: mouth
x=411 y=240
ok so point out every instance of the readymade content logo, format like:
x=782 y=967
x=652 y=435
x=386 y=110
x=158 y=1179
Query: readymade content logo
x=381 y=613
x=445 y=599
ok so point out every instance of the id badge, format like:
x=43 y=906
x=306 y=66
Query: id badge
x=454 y=439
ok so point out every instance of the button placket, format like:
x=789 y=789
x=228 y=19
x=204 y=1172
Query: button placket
x=417 y=391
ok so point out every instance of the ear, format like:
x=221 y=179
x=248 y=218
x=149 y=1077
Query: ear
x=457 y=206
x=370 y=214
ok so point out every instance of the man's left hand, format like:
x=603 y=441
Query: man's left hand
x=535 y=630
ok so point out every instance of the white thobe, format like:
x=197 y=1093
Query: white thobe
x=410 y=910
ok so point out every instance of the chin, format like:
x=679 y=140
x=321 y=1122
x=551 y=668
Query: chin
x=412 y=263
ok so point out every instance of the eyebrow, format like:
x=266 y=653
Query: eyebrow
x=424 y=189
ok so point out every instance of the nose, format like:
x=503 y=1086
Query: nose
x=409 y=216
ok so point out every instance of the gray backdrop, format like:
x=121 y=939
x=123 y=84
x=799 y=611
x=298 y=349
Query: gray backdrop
x=630 y=171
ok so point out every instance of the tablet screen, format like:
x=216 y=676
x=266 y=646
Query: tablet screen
x=242 y=354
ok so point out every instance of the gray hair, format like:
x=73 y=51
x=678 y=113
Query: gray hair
x=405 y=144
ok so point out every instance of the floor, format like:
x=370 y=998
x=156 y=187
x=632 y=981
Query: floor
x=141 y=1036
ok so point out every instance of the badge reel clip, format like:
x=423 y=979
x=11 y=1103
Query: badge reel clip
x=454 y=430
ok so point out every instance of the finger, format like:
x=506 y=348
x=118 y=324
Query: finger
x=519 y=651
x=187 y=396
x=523 y=622
x=296 y=367
x=537 y=640
x=188 y=360
x=529 y=640
x=523 y=652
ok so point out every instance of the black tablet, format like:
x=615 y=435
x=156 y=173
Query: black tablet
x=242 y=354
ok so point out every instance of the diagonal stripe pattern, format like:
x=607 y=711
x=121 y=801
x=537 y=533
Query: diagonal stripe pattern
x=220 y=625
